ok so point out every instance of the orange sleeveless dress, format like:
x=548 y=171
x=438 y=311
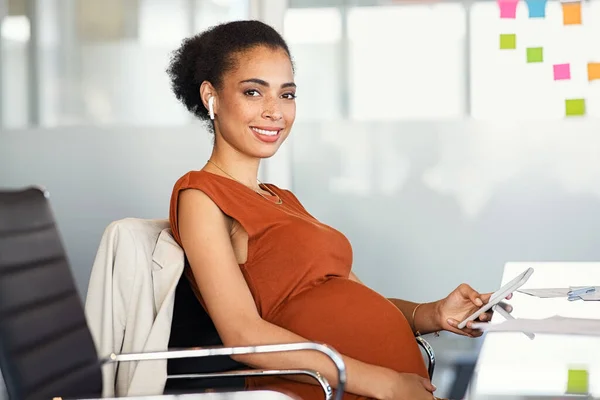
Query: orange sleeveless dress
x=298 y=273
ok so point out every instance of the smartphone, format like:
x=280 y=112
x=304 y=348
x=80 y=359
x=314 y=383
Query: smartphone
x=499 y=295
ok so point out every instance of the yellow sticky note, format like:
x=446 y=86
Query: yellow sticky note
x=577 y=382
x=571 y=13
x=535 y=54
x=575 y=107
x=593 y=71
x=508 y=41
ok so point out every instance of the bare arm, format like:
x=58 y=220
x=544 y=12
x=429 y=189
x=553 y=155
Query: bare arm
x=205 y=233
x=424 y=319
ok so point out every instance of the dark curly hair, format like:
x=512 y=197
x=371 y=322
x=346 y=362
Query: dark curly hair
x=210 y=54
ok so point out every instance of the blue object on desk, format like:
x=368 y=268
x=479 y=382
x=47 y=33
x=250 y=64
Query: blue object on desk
x=576 y=294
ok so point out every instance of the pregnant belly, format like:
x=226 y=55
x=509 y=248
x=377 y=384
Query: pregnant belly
x=356 y=321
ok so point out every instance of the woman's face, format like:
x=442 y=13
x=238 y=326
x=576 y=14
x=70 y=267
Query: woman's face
x=256 y=104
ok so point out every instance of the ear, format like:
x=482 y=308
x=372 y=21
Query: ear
x=207 y=90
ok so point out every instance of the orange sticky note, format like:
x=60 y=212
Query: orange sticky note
x=593 y=71
x=571 y=13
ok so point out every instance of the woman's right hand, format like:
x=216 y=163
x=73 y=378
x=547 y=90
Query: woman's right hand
x=410 y=387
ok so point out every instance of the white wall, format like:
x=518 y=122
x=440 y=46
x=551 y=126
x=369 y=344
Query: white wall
x=426 y=205
x=97 y=175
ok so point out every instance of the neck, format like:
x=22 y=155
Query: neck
x=236 y=166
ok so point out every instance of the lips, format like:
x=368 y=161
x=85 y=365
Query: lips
x=266 y=135
x=267 y=132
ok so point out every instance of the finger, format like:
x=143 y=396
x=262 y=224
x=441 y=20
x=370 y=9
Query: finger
x=486 y=297
x=507 y=307
x=472 y=332
x=476 y=299
x=430 y=387
x=469 y=327
x=471 y=294
x=486 y=316
x=476 y=334
x=453 y=327
x=467 y=331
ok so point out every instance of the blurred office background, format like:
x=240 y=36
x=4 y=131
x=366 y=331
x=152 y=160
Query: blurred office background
x=439 y=155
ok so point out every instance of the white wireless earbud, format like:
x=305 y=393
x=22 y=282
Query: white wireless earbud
x=211 y=109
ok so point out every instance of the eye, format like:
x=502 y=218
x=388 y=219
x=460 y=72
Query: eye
x=289 y=96
x=252 y=93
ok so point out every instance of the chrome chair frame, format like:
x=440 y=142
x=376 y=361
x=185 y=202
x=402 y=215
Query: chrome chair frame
x=430 y=354
x=335 y=357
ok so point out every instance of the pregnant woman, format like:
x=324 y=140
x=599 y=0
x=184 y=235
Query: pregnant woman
x=263 y=267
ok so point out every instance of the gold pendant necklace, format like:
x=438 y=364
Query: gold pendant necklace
x=260 y=184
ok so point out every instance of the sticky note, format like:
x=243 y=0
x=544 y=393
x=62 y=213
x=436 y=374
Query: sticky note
x=571 y=13
x=508 y=41
x=593 y=71
x=562 y=72
x=535 y=54
x=508 y=8
x=537 y=8
x=575 y=107
x=577 y=381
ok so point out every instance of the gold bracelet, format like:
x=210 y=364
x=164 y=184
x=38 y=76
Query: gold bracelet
x=414 y=326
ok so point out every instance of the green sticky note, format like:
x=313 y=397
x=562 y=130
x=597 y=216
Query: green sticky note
x=508 y=41
x=575 y=107
x=535 y=54
x=577 y=382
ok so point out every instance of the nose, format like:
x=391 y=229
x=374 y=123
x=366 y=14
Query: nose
x=272 y=110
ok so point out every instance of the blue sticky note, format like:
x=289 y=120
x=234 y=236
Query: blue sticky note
x=537 y=8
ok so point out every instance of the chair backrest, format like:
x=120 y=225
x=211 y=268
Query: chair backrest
x=46 y=349
x=192 y=327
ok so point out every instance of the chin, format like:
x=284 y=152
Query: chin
x=266 y=150
x=267 y=154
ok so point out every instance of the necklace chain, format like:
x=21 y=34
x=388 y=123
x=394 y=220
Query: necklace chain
x=260 y=184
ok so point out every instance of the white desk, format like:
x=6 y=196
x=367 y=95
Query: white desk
x=512 y=364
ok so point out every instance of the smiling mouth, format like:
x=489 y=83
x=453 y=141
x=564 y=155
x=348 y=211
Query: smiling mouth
x=266 y=132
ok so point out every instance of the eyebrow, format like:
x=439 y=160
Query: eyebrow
x=266 y=84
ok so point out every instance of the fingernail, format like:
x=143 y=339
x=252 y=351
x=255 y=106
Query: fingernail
x=450 y=321
x=434 y=387
x=478 y=302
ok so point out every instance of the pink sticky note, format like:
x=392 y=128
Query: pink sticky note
x=562 y=72
x=508 y=8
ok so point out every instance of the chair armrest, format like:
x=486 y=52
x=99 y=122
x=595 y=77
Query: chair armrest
x=323 y=382
x=228 y=351
x=430 y=354
x=249 y=395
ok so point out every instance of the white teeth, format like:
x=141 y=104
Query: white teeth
x=265 y=132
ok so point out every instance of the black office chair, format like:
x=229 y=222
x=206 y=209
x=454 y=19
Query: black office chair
x=192 y=327
x=45 y=346
x=46 y=349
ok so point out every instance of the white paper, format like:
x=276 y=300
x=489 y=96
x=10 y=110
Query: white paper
x=546 y=293
x=594 y=296
x=552 y=325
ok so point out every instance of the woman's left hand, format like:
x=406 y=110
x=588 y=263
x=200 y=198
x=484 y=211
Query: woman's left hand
x=461 y=303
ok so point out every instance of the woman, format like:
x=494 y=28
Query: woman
x=266 y=270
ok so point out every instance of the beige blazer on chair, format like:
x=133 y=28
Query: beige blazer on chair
x=129 y=303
